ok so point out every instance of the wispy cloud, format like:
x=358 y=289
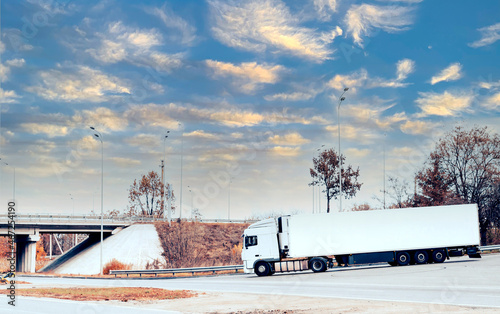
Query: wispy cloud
x=135 y=46
x=77 y=84
x=184 y=32
x=451 y=73
x=417 y=127
x=285 y=151
x=293 y=96
x=489 y=35
x=445 y=104
x=325 y=8
x=290 y=139
x=246 y=76
x=268 y=25
x=363 y=19
x=493 y=102
x=360 y=78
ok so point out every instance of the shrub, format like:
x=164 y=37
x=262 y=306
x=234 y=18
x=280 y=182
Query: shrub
x=114 y=264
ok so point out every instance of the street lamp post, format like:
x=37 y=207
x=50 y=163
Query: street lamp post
x=341 y=99
x=98 y=135
x=168 y=193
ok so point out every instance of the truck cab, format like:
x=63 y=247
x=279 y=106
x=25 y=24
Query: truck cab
x=260 y=242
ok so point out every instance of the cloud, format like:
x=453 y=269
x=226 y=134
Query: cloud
x=102 y=118
x=290 y=139
x=144 y=140
x=445 y=104
x=201 y=134
x=358 y=134
x=355 y=152
x=135 y=46
x=51 y=130
x=325 y=8
x=417 y=127
x=125 y=162
x=360 y=78
x=294 y=96
x=186 y=33
x=362 y=19
x=268 y=25
x=15 y=62
x=285 y=151
x=489 y=85
x=78 y=84
x=371 y=114
x=248 y=75
x=489 y=35
x=153 y=115
x=493 y=102
x=8 y=96
x=451 y=73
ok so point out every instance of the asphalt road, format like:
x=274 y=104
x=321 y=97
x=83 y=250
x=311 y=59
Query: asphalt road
x=459 y=281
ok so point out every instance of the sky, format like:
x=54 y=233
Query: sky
x=247 y=92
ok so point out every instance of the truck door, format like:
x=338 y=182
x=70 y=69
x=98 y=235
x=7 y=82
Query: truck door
x=263 y=246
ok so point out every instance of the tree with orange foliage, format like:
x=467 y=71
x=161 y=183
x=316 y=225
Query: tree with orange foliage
x=145 y=196
x=326 y=173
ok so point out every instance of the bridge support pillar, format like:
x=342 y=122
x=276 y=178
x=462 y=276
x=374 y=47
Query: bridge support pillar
x=26 y=252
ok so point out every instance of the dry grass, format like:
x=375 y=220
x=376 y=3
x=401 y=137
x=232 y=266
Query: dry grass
x=105 y=294
x=114 y=264
x=195 y=244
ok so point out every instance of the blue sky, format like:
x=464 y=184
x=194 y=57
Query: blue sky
x=248 y=90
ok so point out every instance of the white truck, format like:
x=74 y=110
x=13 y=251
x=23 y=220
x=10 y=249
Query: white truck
x=396 y=236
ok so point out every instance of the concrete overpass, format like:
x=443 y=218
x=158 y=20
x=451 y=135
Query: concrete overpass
x=28 y=228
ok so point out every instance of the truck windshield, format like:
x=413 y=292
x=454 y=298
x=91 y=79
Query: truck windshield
x=250 y=241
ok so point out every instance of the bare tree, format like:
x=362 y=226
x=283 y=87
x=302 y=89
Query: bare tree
x=465 y=165
x=326 y=173
x=399 y=191
x=145 y=196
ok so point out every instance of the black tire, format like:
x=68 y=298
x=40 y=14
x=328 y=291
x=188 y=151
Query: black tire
x=403 y=258
x=263 y=269
x=438 y=256
x=393 y=263
x=421 y=257
x=318 y=264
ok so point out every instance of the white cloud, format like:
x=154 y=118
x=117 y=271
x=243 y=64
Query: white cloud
x=417 y=127
x=489 y=35
x=445 y=104
x=358 y=134
x=8 y=96
x=493 y=102
x=362 y=19
x=125 y=162
x=290 y=139
x=201 y=134
x=285 y=151
x=144 y=140
x=371 y=114
x=246 y=76
x=451 y=73
x=262 y=25
x=136 y=46
x=294 y=96
x=325 y=8
x=355 y=152
x=51 y=130
x=489 y=85
x=185 y=31
x=15 y=62
x=78 y=84
x=360 y=78
x=153 y=115
x=102 y=118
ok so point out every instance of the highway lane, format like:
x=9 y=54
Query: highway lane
x=459 y=281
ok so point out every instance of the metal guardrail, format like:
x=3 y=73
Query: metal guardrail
x=108 y=219
x=174 y=271
x=489 y=248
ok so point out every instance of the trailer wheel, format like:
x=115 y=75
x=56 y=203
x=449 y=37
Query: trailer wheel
x=403 y=258
x=438 y=256
x=421 y=257
x=263 y=269
x=317 y=264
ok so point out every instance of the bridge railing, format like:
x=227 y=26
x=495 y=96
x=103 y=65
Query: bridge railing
x=174 y=271
x=108 y=219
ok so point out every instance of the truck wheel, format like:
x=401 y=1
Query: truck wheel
x=403 y=258
x=421 y=257
x=317 y=264
x=438 y=256
x=263 y=269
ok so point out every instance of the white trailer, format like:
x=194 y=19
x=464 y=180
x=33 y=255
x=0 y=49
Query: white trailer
x=397 y=236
